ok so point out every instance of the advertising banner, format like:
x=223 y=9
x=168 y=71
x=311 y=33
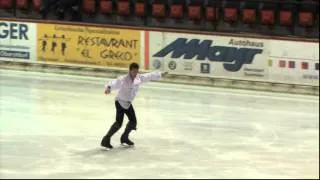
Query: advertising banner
x=17 y=41
x=88 y=45
x=204 y=55
x=235 y=57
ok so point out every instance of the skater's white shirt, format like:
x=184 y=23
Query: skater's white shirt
x=128 y=89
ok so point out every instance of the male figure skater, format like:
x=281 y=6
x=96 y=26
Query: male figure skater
x=128 y=87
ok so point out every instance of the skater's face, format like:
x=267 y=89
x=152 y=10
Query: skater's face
x=134 y=72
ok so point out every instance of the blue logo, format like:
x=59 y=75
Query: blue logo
x=205 y=68
x=233 y=57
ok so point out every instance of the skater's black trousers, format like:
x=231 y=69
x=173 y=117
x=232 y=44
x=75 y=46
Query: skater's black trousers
x=119 y=119
x=130 y=114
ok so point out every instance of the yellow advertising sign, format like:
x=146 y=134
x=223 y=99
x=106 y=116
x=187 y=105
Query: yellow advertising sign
x=87 y=45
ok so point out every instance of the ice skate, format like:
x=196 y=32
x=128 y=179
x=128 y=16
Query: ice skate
x=105 y=143
x=125 y=141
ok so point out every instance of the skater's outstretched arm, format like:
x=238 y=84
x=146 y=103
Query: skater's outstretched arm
x=146 y=77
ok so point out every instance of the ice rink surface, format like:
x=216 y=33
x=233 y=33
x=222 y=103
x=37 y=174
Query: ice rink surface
x=51 y=126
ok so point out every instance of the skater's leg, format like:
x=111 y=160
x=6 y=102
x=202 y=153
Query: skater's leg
x=115 y=126
x=132 y=125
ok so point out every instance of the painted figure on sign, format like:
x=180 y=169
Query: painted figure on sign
x=63 y=45
x=54 y=43
x=44 y=43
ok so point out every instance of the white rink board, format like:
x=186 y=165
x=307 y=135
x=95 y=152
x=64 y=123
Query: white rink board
x=18 y=41
x=233 y=57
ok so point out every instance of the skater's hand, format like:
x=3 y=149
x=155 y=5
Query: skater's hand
x=107 y=91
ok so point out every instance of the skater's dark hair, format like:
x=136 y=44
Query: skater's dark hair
x=133 y=66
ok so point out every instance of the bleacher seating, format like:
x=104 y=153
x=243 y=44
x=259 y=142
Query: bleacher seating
x=6 y=8
x=269 y=17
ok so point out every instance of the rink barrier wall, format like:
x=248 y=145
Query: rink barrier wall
x=28 y=46
x=96 y=71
